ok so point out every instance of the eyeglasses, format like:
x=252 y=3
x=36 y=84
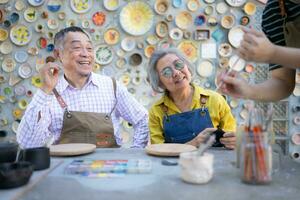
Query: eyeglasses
x=168 y=71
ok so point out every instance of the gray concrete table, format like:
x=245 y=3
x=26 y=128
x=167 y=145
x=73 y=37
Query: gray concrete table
x=164 y=182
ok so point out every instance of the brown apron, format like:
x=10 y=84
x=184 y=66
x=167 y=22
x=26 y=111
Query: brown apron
x=87 y=127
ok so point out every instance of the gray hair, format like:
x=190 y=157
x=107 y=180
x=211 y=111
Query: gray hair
x=60 y=36
x=153 y=75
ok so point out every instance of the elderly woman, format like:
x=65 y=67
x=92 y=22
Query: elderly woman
x=186 y=113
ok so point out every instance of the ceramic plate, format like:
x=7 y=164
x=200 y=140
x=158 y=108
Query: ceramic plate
x=225 y=50
x=189 y=49
x=103 y=54
x=162 y=29
x=236 y=63
x=250 y=8
x=52 y=24
x=168 y=149
x=25 y=71
x=176 y=34
x=21 y=56
x=161 y=6
x=30 y=14
x=111 y=36
x=148 y=51
x=128 y=44
x=8 y=65
x=235 y=36
x=221 y=8
x=111 y=5
x=6 y=47
x=235 y=3
x=20 y=35
x=209 y=1
x=3 y=34
x=152 y=39
x=136 y=18
x=20 y=90
x=193 y=5
x=183 y=20
x=81 y=6
x=205 y=68
x=99 y=18
x=72 y=149
x=36 y=2
x=177 y=3
x=54 y=5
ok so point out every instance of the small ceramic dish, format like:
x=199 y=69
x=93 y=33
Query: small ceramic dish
x=235 y=36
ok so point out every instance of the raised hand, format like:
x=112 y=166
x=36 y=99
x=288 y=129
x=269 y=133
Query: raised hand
x=49 y=74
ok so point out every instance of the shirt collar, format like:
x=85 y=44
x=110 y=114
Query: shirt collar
x=165 y=99
x=63 y=84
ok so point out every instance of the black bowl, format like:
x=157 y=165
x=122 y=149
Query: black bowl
x=8 y=151
x=15 y=174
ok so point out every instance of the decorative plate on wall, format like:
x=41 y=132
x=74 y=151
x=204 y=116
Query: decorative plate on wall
x=183 y=20
x=189 y=49
x=103 y=54
x=8 y=64
x=235 y=36
x=136 y=18
x=128 y=44
x=35 y=2
x=111 y=5
x=81 y=6
x=235 y=3
x=111 y=36
x=205 y=68
x=20 y=35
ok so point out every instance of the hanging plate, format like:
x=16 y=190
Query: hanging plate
x=177 y=3
x=149 y=50
x=205 y=68
x=176 y=34
x=54 y=5
x=99 y=18
x=128 y=44
x=111 y=5
x=20 y=35
x=225 y=50
x=30 y=14
x=183 y=20
x=221 y=7
x=111 y=36
x=8 y=65
x=236 y=65
x=25 y=71
x=162 y=29
x=35 y=2
x=21 y=56
x=189 y=49
x=193 y=5
x=81 y=6
x=235 y=3
x=136 y=18
x=161 y=6
x=235 y=36
x=103 y=54
x=3 y=34
x=250 y=8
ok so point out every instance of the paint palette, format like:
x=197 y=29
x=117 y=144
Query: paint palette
x=108 y=168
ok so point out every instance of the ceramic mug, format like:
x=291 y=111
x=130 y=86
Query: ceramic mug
x=39 y=157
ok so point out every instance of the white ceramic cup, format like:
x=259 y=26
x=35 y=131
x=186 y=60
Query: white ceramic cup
x=196 y=169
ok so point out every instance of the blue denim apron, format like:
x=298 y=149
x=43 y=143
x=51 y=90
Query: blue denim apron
x=183 y=127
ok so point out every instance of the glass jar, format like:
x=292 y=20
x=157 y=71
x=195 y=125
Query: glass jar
x=256 y=158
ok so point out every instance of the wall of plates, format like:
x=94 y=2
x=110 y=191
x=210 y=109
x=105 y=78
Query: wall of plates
x=125 y=33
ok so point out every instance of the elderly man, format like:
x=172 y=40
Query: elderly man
x=80 y=106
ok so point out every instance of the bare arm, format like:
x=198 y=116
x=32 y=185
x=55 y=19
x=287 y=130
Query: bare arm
x=257 y=47
x=279 y=86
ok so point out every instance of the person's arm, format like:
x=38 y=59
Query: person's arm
x=255 y=46
x=133 y=112
x=33 y=130
x=155 y=128
x=279 y=86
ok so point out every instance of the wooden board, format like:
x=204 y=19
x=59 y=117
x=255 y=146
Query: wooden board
x=168 y=149
x=72 y=149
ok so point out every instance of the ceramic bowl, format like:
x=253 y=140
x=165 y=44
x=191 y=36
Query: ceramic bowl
x=15 y=174
x=8 y=151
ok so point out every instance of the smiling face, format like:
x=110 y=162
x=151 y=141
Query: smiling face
x=77 y=55
x=173 y=73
